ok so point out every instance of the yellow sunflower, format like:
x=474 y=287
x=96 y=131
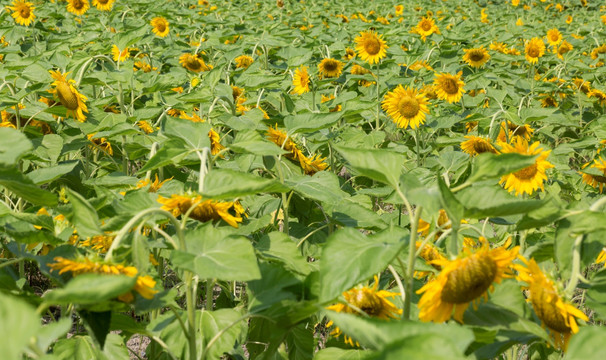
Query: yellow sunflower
x=360 y=70
x=429 y=253
x=349 y=54
x=330 y=68
x=476 y=145
x=371 y=47
x=548 y=100
x=463 y=281
x=160 y=26
x=557 y=314
x=530 y=178
x=406 y=106
x=601 y=257
x=598 y=94
x=193 y=62
x=215 y=142
x=67 y=94
x=509 y=131
x=449 y=87
x=425 y=28
x=120 y=56
x=100 y=143
x=596 y=181
x=243 y=61
x=104 y=5
x=562 y=49
x=309 y=165
x=554 y=37
x=368 y=300
x=301 y=81
x=476 y=57
x=23 y=12
x=206 y=210
x=154 y=186
x=399 y=10
x=78 y=7
x=582 y=84
x=535 y=48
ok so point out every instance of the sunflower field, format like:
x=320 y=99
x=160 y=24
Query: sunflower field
x=192 y=179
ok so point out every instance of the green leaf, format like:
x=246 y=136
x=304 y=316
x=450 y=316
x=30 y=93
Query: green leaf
x=88 y=289
x=300 y=342
x=332 y=353
x=322 y=186
x=46 y=175
x=230 y=184
x=195 y=135
x=49 y=333
x=214 y=253
x=596 y=295
x=76 y=348
x=492 y=201
x=13 y=145
x=23 y=187
x=97 y=324
x=378 y=164
x=310 y=122
x=586 y=344
x=490 y=166
x=252 y=143
x=19 y=324
x=171 y=153
x=279 y=247
x=84 y=215
x=229 y=323
x=353 y=257
x=115 y=348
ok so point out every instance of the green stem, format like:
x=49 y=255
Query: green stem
x=191 y=315
x=210 y=284
x=284 y=199
x=411 y=261
x=11 y=262
x=378 y=122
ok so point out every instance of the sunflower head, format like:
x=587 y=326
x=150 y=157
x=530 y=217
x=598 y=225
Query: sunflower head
x=301 y=81
x=476 y=57
x=371 y=47
x=203 y=210
x=554 y=37
x=563 y=48
x=406 y=107
x=67 y=94
x=596 y=181
x=104 y=5
x=475 y=145
x=510 y=131
x=78 y=7
x=160 y=26
x=535 y=48
x=23 y=12
x=120 y=56
x=243 y=61
x=349 y=54
x=530 y=178
x=330 y=68
x=425 y=27
x=193 y=62
x=449 y=87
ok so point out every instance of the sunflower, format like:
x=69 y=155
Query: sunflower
x=100 y=143
x=596 y=181
x=78 y=7
x=532 y=177
x=313 y=164
x=582 y=84
x=100 y=243
x=601 y=257
x=300 y=81
x=449 y=87
x=429 y=253
x=65 y=90
x=464 y=280
x=418 y=65
x=160 y=26
x=154 y=186
x=327 y=99
x=598 y=94
x=144 y=285
x=425 y=28
x=330 y=68
x=193 y=62
x=309 y=165
x=243 y=61
x=349 y=54
x=206 y=210
x=399 y=10
x=23 y=12
x=360 y=70
x=558 y=315
x=476 y=57
x=509 y=131
x=548 y=100
x=554 y=37
x=371 y=47
x=363 y=300
x=215 y=142
x=535 y=48
x=104 y=5
x=477 y=145
x=406 y=106
x=562 y=49
x=120 y=56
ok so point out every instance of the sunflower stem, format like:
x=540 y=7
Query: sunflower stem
x=378 y=123
x=396 y=277
x=411 y=261
x=417 y=133
x=576 y=266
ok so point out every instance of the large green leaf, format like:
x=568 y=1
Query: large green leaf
x=84 y=215
x=13 y=145
x=322 y=186
x=350 y=257
x=172 y=152
x=310 y=121
x=76 y=348
x=19 y=324
x=91 y=289
x=586 y=344
x=333 y=353
x=23 y=187
x=596 y=295
x=230 y=184
x=492 y=201
x=225 y=327
x=279 y=247
x=378 y=164
x=251 y=142
x=194 y=134
x=48 y=174
x=489 y=166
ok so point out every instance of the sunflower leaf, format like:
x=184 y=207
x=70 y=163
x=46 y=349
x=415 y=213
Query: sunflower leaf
x=489 y=166
x=378 y=164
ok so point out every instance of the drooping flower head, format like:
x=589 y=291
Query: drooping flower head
x=193 y=62
x=205 y=210
x=330 y=68
x=563 y=48
x=160 y=26
x=120 y=55
x=23 y=12
x=510 y=131
x=475 y=145
x=371 y=47
x=530 y=178
x=100 y=143
x=449 y=87
x=360 y=70
x=301 y=81
x=406 y=107
x=535 y=48
x=78 y=7
x=596 y=181
x=558 y=315
x=243 y=61
x=309 y=165
x=476 y=57
x=66 y=92
x=464 y=280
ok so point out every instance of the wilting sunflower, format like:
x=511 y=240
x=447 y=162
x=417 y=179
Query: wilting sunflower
x=65 y=90
x=309 y=165
x=371 y=47
x=23 y=12
x=554 y=37
x=327 y=99
x=313 y=164
x=562 y=49
x=193 y=62
x=598 y=94
x=154 y=186
x=532 y=177
x=243 y=61
x=360 y=70
x=596 y=52
x=78 y=7
x=100 y=243
x=596 y=181
x=160 y=26
x=582 y=84
x=463 y=281
x=349 y=54
x=144 y=285
x=535 y=48
x=557 y=314
x=206 y=210
x=449 y=87
x=104 y=5
x=548 y=100
x=371 y=302
x=300 y=81
x=476 y=145
x=406 y=106
x=425 y=28
x=215 y=142
x=476 y=57
x=120 y=56
x=429 y=253
x=100 y=143
x=510 y=131
x=330 y=68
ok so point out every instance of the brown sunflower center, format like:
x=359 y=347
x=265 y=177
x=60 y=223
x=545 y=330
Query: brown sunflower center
x=526 y=173
x=330 y=65
x=66 y=96
x=103 y=2
x=518 y=130
x=372 y=46
x=24 y=12
x=476 y=55
x=78 y=4
x=426 y=25
x=470 y=280
x=599 y=178
x=161 y=26
x=192 y=63
x=369 y=303
x=554 y=37
x=543 y=301
x=533 y=51
x=450 y=86
x=482 y=147
x=408 y=107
